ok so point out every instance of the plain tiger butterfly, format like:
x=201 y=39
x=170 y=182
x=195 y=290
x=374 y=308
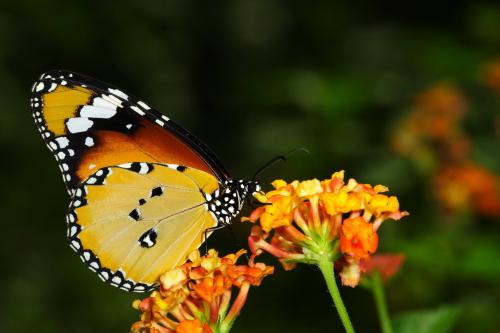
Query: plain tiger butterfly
x=144 y=191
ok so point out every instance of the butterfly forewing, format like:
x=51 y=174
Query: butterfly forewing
x=89 y=125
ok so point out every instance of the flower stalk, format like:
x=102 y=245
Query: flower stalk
x=377 y=288
x=326 y=268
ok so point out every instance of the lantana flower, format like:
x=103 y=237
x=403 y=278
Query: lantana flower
x=468 y=187
x=433 y=123
x=196 y=297
x=322 y=222
x=490 y=75
x=313 y=221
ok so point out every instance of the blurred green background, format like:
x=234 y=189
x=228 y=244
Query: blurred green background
x=255 y=79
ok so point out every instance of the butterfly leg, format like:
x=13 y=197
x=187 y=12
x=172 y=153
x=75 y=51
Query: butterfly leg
x=209 y=230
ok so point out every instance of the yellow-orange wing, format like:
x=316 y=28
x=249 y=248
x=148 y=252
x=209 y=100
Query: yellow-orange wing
x=129 y=223
x=88 y=125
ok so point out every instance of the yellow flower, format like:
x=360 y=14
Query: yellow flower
x=380 y=203
x=173 y=279
x=309 y=187
x=341 y=202
x=277 y=214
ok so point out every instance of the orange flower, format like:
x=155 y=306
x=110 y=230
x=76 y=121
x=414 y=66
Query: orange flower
x=193 y=326
x=196 y=296
x=433 y=124
x=444 y=101
x=490 y=75
x=307 y=221
x=357 y=238
x=278 y=214
x=468 y=186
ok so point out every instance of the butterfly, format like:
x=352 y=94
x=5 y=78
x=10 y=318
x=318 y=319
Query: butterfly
x=144 y=191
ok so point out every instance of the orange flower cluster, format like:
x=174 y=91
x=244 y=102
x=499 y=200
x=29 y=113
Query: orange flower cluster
x=490 y=75
x=196 y=297
x=310 y=220
x=431 y=135
x=433 y=123
x=468 y=186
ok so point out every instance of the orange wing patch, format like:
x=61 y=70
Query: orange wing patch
x=148 y=143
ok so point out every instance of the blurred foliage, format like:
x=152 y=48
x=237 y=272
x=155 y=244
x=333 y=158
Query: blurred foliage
x=430 y=321
x=255 y=79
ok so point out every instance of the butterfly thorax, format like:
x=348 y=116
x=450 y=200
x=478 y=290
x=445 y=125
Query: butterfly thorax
x=226 y=201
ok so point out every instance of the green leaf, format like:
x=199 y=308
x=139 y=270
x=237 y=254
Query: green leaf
x=440 y=320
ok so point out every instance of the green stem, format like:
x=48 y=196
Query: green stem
x=326 y=268
x=380 y=302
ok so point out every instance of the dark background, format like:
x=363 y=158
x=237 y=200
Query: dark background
x=255 y=79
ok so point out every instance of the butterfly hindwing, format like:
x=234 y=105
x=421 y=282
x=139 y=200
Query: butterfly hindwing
x=89 y=125
x=130 y=223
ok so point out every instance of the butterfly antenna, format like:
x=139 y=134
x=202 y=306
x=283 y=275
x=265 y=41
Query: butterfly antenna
x=278 y=160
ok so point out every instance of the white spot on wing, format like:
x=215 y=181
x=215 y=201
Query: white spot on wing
x=79 y=125
x=72 y=230
x=53 y=86
x=144 y=105
x=144 y=168
x=112 y=99
x=118 y=93
x=136 y=109
x=89 y=111
x=125 y=165
x=159 y=122
x=89 y=142
x=75 y=245
x=39 y=87
x=101 y=102
x=62 y=141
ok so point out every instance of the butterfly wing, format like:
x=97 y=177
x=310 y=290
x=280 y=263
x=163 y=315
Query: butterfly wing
x=130 y=223
x=89 y=125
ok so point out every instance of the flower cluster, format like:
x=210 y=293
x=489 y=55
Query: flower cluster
x=314 y=220
x=432 y=136
x=433 y=125
x=196 y=297
x=468 y=187
x=490 y=75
